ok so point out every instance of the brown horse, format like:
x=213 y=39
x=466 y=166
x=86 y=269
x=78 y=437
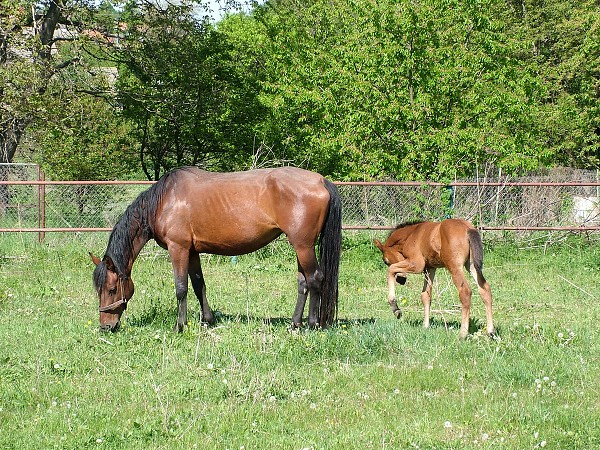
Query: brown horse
x=423 y=247
x=190 y=211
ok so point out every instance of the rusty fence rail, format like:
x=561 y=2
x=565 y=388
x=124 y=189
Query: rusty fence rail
x=85 y=206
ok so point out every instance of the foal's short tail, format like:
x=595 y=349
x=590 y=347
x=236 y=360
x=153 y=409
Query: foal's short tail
x=330 y=245
x=476 y=250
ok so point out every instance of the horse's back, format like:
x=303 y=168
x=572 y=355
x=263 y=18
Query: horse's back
x=239 y=212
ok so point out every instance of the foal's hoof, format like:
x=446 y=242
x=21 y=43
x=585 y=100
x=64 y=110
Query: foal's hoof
x=398 y=313
x=178 y=328
x=494 y=336
x=400 y=279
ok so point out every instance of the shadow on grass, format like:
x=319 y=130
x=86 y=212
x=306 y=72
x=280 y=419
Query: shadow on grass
x=166 y=317
x=159 y=316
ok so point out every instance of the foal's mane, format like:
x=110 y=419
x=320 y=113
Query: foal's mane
x=137 y=220
x=399 y=227
x=406 y=224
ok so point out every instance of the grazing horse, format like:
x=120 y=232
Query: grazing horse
x=190 y=211
x=423 y=247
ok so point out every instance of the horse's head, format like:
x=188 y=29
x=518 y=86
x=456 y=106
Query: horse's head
x=114 y=291
x=390 y=256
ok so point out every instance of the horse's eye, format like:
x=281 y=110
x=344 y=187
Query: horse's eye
x=112 y=291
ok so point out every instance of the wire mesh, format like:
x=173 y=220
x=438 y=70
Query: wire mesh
x=28 y=203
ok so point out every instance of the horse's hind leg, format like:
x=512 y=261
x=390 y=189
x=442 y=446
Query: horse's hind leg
x=426 y=295
x=485 y=293
x=302 y=295
x=180 y=261
x=199 y=286
x=464 y=293
x=307 y=265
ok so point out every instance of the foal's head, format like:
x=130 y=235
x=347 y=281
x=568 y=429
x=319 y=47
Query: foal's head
x=114 y=291
x=391 y=255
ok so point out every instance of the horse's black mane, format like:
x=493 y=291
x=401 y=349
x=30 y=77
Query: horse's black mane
x=138 y=219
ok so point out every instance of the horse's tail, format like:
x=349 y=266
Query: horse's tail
x=330 y=244
x=476 y=247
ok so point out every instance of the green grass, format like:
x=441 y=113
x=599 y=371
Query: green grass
x=371 y=381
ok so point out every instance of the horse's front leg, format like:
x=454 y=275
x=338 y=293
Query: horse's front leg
x=180 y=261
x=199 y=286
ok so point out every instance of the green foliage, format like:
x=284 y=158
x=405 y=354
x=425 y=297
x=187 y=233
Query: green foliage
x=184 y=86
x=564 y=44
x=88 y=143
x=250 y=382
x=414 y=90
x=44 y=75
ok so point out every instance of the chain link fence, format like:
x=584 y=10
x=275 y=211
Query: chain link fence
x=566 y=201
x=489 y=205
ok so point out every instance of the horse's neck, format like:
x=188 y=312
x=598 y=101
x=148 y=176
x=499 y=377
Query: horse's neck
x=138 y=243
x=128 y=257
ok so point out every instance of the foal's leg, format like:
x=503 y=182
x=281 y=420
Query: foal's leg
x=464 y=293
x=195 y=272
x=180 y=261
x=426 y=295
x=302 y=295
x=486 y=295
x=307 y=261
x=402 y=267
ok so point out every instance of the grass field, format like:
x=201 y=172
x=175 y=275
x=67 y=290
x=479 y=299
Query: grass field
x=371 y=381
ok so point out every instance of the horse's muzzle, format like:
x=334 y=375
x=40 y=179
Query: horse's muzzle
x=400 y=279
x=110 y=327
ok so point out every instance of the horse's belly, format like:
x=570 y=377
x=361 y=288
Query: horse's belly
x=237 y=243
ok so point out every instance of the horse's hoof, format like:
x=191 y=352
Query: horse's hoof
x=295 y=326
x=210 y=320
x=398 y=313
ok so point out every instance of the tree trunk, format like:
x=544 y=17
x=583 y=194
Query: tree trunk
x=9 y=140
x=12 y=127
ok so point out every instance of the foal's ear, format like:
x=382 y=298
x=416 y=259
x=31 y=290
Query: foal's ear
x=95 y=259
x=378 y=244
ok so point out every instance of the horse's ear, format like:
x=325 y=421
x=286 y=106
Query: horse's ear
x=378 y=244
x=110 y=265
x=95 y=259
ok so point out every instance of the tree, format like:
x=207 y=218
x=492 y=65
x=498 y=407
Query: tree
x=413 y=90
x=190 y=101
x=563 y=45
x=26 y=65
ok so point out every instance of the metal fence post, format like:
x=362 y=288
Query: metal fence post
x=41 y=206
